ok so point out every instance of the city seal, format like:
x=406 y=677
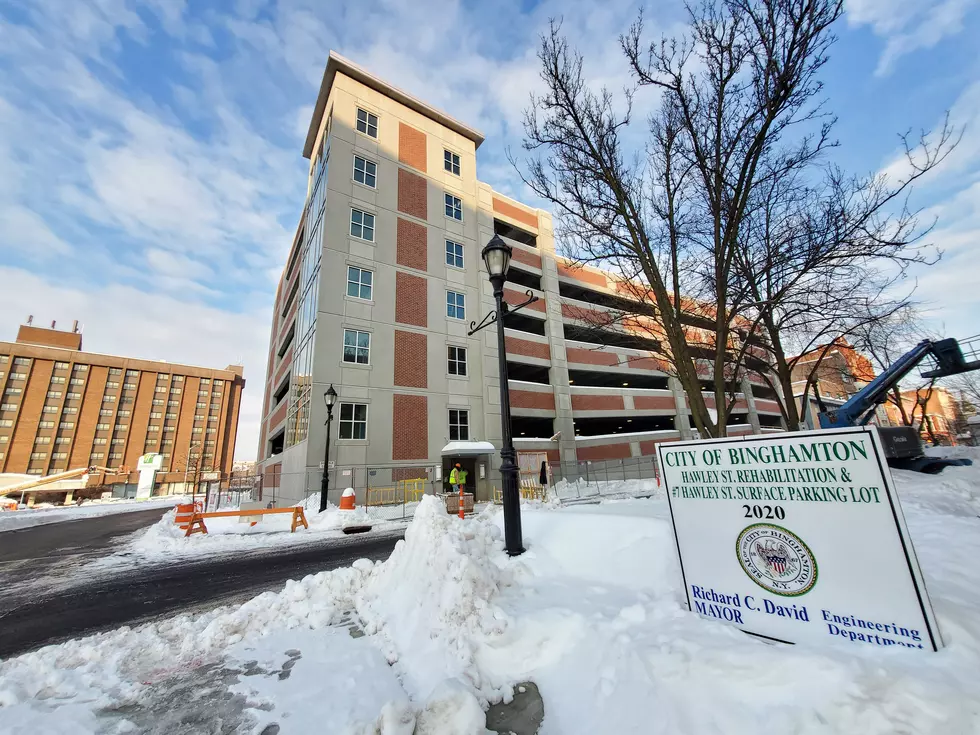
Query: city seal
x=776 y=559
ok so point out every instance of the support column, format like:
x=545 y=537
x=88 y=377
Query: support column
x=682 y=417
x=746 y=388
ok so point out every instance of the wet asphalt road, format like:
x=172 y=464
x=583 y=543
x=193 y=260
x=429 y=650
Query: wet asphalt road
x=35 y=615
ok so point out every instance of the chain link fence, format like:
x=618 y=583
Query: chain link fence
x=386 y=493
x=590 y=481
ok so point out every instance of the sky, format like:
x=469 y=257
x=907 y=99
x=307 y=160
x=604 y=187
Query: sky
x=151 y=169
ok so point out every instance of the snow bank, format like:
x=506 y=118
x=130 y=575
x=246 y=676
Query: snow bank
x=165 y=541
x=12 y=520
x=432 y=602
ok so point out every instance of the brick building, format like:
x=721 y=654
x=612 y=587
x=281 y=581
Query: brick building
x=837 y=371
x=63 y=409
x=381 y=284
x=936 y=411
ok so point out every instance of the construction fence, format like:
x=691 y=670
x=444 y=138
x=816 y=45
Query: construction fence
x=394 y=492
x=589 y=481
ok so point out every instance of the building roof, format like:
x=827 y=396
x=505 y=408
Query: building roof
x=336 y=62
x=26 y=349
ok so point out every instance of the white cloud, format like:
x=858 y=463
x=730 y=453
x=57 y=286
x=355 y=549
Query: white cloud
x=122 y=320
x=25 y=232
x=908 y=25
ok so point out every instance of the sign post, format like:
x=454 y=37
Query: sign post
x=797 y=538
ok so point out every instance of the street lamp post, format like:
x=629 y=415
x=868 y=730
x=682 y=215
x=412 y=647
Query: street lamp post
x=496 y=257
x=329 y=398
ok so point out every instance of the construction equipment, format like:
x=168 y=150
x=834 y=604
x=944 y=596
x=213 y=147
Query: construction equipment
x=902 y=444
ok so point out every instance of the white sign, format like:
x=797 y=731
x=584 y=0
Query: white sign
x=149 y=462
x=147 y=466
x=798 y=538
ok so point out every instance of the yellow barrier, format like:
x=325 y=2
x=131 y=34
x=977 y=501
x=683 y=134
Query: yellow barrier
x=412 y=490
x=382 y=496
x=528 y=492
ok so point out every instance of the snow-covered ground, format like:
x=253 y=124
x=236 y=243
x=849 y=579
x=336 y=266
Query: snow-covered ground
x=593 y=613
x=11 y=520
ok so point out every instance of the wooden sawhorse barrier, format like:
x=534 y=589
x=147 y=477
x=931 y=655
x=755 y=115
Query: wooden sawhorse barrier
x=197 y=519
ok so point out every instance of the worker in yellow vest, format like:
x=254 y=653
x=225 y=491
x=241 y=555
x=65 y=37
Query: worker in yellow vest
x=457 y=478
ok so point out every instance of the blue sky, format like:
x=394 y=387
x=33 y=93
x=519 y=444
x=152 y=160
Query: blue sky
x=151 y=171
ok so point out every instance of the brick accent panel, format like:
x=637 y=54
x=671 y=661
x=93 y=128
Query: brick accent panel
x=593 y=317
x=409 y=473
x=49 y=338
x=411 y=245
x=411 y=146
x=278 y=416
x=709 y=401
x=645 y=363
x=412 y=194
x=554 y=455
x=284 y=367
x=521 y=215
x=411 y=300
x=409 y=427
x=653 y=402
x=411 y=354
x=604 y=451
x=570 y=270
x=522 y=256
x=532 y=399
x=591 y=357
x=514 y=298
x=650 y=447
x=517 y=346
x=597 y=403
x=765 y=405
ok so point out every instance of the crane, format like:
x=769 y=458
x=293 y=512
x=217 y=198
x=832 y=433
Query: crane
x=902 y=445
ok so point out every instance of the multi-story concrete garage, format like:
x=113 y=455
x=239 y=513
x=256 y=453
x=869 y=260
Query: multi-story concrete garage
x=380 y=287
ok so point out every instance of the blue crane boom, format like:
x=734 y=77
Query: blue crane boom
x=903 y=447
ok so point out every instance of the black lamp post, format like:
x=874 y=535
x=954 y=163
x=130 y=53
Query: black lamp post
x=329 y=398
x=496 y=257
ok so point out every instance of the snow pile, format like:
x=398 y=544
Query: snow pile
x=432 y=602
x=582 y=488
x=165 y=540
x=112 y=668
x=38 y=516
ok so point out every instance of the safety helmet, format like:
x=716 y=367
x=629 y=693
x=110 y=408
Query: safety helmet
x=457 y=465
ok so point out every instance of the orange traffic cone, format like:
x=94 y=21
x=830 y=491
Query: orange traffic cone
x=347 y=499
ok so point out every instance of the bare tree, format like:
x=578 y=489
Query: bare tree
x=739 y=86
x=821 y=258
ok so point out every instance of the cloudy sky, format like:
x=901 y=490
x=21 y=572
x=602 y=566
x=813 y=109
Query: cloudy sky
x=151 y=171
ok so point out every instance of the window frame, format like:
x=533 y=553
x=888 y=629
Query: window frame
x=357 y=347
x=364 y=172
x=453 y=206
x=353 y=421
x=452 y=361
x=367 y=123
x=460 y=310
x=460 y=256
x=462 y=427
x=451 y=162
x=361 y=225
x=360 y=283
